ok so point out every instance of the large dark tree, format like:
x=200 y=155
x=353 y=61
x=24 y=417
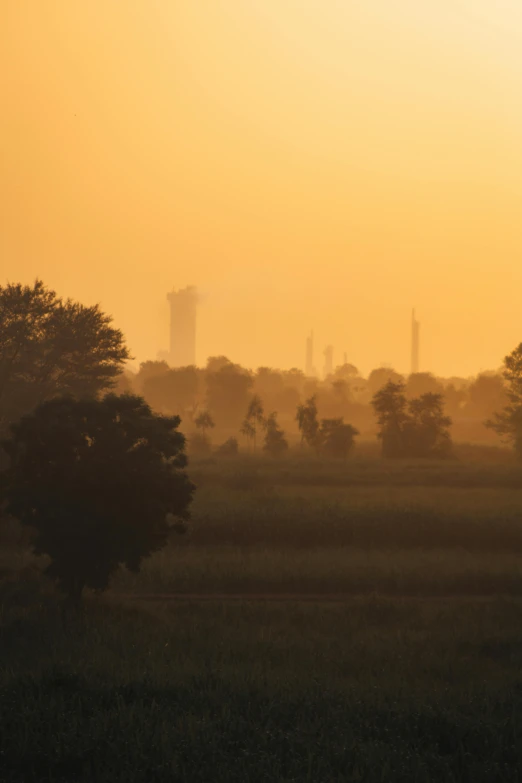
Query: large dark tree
x=51 y=347
x=100 y=481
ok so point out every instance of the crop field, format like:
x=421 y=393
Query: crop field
x=361 y=623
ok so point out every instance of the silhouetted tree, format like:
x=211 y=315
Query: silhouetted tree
x=228 y=390
x=254 y=417
x=415 y=429
x=51 y=347
x=248 y=430
x=390 y=405
x=426 y=432
x=308 y=422
x=508 y=422
x=275 y=442
x=336 y=438
x=100 y=481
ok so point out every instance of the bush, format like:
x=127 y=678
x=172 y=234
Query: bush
x=229 y=448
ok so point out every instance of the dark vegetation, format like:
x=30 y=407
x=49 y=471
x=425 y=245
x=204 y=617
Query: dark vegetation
x=342 y=606
x=99 y=481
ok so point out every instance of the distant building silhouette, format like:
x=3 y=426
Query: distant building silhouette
x=415 y=328
x=309 y=362
x=183 y=306
x=328 y=360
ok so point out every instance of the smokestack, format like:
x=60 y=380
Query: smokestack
x=415 y=328
x=309 y=363
x=183 y=305
x=328 y=361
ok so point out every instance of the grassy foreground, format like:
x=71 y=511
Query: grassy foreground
x=371 y=690
x=414 y=675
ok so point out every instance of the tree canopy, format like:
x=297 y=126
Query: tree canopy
x=101 y=482
x=51 y=347
x=417 y=428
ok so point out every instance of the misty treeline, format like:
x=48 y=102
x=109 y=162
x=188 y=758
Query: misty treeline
x=225 y=390
x=51 y=347
x=93 y=459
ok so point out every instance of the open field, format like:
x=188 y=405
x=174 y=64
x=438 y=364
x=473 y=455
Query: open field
x=370 y=690
x=402 y=661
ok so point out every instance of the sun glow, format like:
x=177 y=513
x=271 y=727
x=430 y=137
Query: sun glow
x=306 y=163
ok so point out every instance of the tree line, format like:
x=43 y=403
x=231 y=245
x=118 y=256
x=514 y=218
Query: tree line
x=100 y=477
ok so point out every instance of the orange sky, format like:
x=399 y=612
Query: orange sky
x=320 y=164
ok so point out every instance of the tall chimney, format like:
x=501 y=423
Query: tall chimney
x=415 y=328
x=309 y=364
x=328 y=361
x=183 y=306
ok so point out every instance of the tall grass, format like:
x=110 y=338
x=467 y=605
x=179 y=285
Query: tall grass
x=371 y=690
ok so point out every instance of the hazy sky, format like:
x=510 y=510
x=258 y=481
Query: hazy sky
x=321 y=164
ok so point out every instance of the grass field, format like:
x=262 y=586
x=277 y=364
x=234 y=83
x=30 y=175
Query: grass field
x=415 y=674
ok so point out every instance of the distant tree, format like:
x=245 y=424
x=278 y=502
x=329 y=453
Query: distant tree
x=248 y=430
x=417 y=428
x=228 y=390
x=275 y=442
x=255 y=417
x=455 y=399
x=229 y=448
x=217 y=363
x=294 y=379
x=378 y=378
x=148 y=370
x=268 y=383
x=346 y=372
x=204 y=421
x=426 y=432
x=173 y=391
x=100 y=481
x=486 y=395
x=508 y=422
x=50 y=347
x=308 y=423
x=390 y=406
x=419 y=383
x=287 y=400
x=336 y=438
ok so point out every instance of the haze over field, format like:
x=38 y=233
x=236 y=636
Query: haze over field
x=320 y=164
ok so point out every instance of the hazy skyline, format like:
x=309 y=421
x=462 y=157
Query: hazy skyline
x=308 y=164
